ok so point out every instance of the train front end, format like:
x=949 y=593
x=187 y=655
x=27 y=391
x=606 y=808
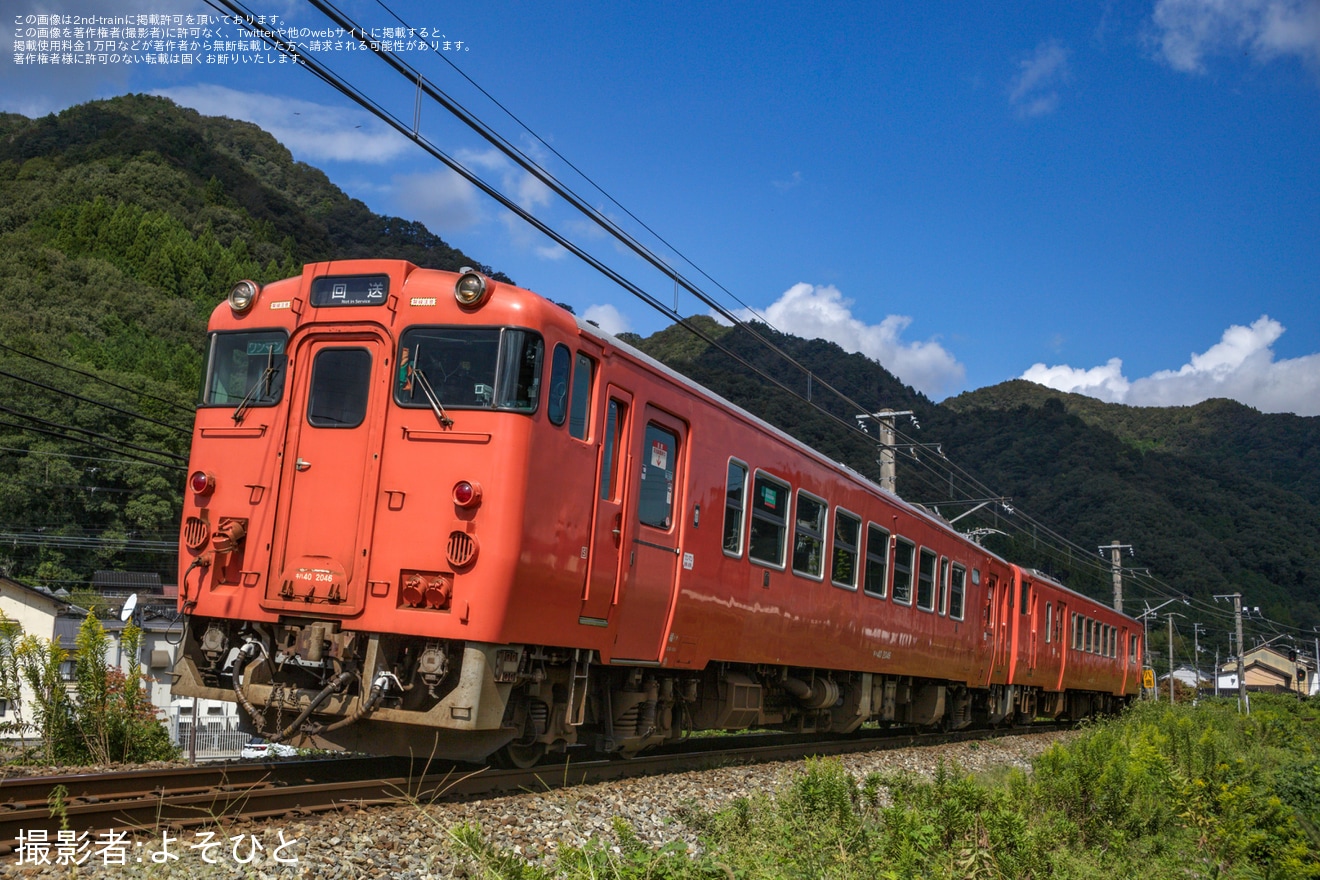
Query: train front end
x=350 y=524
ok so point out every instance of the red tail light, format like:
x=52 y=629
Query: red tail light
x=202 y=482
x=467 y=494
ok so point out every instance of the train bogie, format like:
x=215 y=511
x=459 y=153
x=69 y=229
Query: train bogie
x=430 y=513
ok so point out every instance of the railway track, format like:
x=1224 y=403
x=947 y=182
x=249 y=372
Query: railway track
x=146 y=801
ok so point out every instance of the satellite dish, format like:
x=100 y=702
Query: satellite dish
x=129 y=605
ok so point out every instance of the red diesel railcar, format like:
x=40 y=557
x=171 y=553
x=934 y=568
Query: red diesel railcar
x=432 y=513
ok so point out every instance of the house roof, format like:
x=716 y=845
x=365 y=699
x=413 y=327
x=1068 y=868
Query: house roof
x=124 y=582
x=60 y=603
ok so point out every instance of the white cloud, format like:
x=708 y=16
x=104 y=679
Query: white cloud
x=1241 y=366
x=1187 y=31
x=813 y=311
x=607 y=318
x=312 y=132
x=440 y=200
x=1034 y=91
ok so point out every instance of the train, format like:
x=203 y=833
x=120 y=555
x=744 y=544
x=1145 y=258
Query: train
x=431 y=513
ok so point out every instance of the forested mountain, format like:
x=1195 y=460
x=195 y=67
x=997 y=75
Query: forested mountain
x=123 y=222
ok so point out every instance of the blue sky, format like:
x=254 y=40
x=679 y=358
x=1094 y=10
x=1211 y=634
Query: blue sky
x=1119 y=199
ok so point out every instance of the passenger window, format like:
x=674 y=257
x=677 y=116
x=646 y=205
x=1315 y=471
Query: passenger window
x=580 y=411
x=957 y=591
x=877 y=562
x=926 y=581
x=904 y=551
x=847 y=533
x=560 y=365
x=655 y=503
x=809 y=536
x=769 y=521
x=1049 y=621
x=341 y=380
x=735 y=493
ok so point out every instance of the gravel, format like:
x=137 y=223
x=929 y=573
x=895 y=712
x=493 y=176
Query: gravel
x=413 y=840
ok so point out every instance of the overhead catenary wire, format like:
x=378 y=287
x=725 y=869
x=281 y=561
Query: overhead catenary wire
x=415 y=78
x=52 y=425
x=66 y=368
x=1019 y=522
x=120 y=410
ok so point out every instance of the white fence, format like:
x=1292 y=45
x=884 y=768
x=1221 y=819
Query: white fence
x=214 y=742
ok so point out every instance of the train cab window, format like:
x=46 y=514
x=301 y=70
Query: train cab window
x=735 y=495
x=469 y=368
x=769 y=521
x=847 y=538
x=580 y=408
x=561 y=365
x=809 y=536
x=1132 y=650
x=904 y=551
x=944 y=586
x=876 y=582
x=926 y=581
x=655 y=501
x=1026 y=597
x=1049 y=622
x=245 y=367
x=341 y=380
x=957 y=591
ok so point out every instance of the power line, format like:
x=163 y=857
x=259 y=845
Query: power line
x=97 y=378
x=92 y=434
x=111 y=407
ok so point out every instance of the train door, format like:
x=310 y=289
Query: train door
x=1061 y=642
x=612 y=473
x=328 y=472
x=651 y=537
x=999 y=607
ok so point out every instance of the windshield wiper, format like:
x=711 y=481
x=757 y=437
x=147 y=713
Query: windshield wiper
x=431 y=398
x=263 y=381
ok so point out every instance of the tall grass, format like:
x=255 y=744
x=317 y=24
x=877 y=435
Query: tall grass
x=1186 y=792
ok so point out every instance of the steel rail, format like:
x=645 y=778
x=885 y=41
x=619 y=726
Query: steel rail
x=96 y=804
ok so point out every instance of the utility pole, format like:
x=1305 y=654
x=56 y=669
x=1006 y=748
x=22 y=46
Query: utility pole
x=1170 y=616
x=888 y=466
x=1196 y=656
x=1116 y=557
x=1241 y=673
x=1216 y=672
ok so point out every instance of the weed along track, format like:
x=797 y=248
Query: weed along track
x=144 y=802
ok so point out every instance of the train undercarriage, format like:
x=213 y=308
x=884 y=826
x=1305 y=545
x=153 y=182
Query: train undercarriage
x=311 y=683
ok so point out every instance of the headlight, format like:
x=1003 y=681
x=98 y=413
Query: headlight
x=472 y=288
x=243 y=295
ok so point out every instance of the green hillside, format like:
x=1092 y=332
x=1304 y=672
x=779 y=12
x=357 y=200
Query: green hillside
x=122 y=224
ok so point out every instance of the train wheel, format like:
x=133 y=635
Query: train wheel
x=519 y=757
